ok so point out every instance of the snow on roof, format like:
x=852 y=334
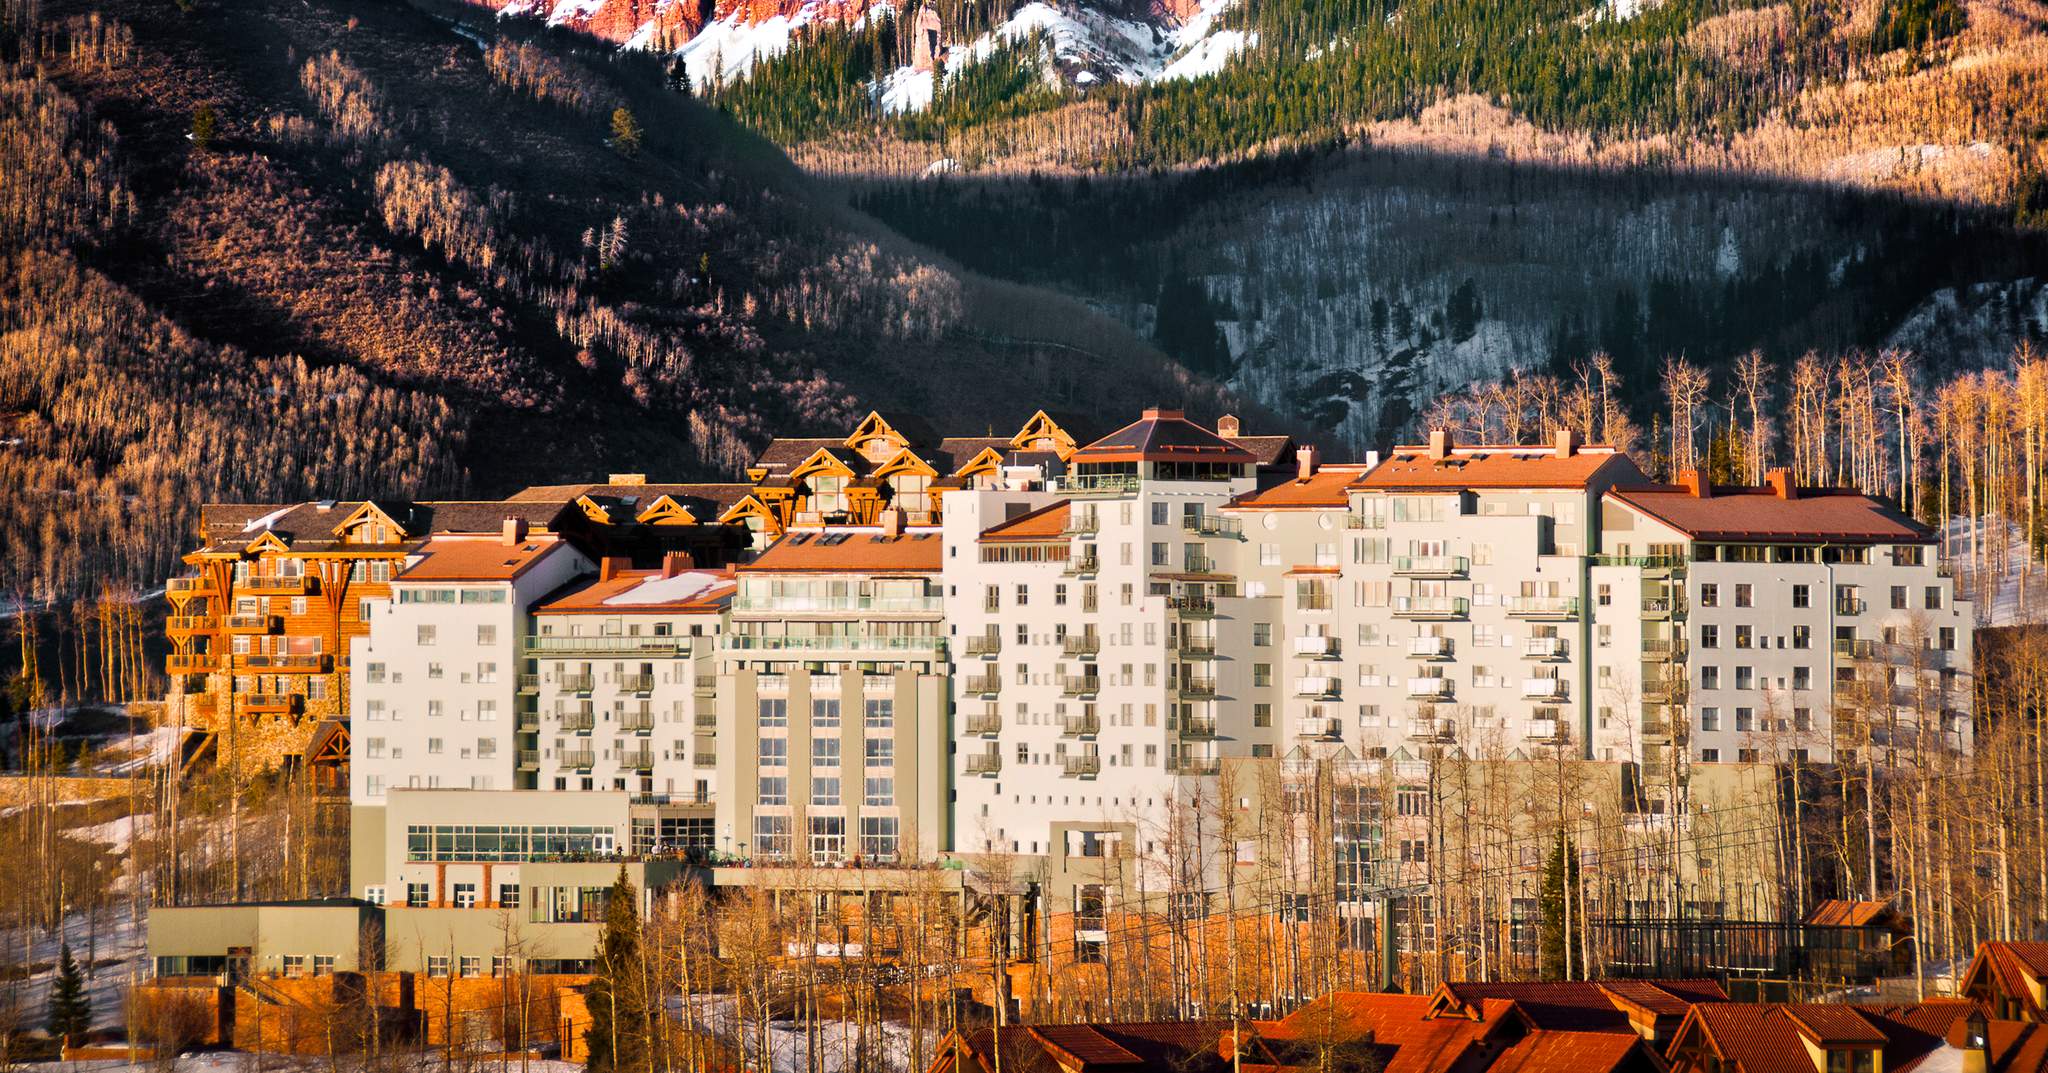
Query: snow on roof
x=666 y=590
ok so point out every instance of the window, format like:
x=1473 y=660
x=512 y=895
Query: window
x=1802 y=596
x=1710 y=719
x=880 y=712
x=1411 y=801
x=1262 y=674
x=1059 y=595
x=1744 y=596
x=773 y=711
x=1802 y=637
x=824 y=712
x=1745 y=636
x=373 y=786
x=1023 y=595
x=508 y=895
x=878 y=838
x=437 y=965
x=880 y=791
x=294 y=964
x=425 y=638
x=471 y=966
x=1710 y=756
x=1710 y=595
x=774 y=790
x=1745 y=720
x=881 y=752
x=486 y=636
x=1745 y=677
x=1262 y=715
x=374 y=673
x=486 y=673
x=418 y=895
x=771 y=836
x=828 y=838
x=1262 y=634
x=1414 y=851
x=774 y=752
x=824 y=789
x=1802 y=678
x=1898 y=597
x=374 y=748
x=434 y=670
x=434 y=746
x=1948 y=638
x=1710 y=636
x=1710 y=677
x=824 y=752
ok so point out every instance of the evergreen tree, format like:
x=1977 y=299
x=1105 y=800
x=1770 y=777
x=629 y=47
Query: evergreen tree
x=1557 y=888
x=70 y=1009
x=626 y=135
x=205 y=127
x=621 y=1018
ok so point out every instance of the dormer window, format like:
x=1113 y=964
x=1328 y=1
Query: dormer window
x=1851 y=1060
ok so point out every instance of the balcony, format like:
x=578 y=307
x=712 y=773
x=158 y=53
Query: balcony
x=1192 y=606
x=912 y=647
x=1545 y=648
x=1432 y=607
x=1849 y=605
x=705 y=720
x=1099 y=484
x=1656 y=728
x=255 y=623
x=1080 y=685
x=1663 y=690
x=1432 y=729
x=1081 y=566
x=798 y=604
x=1662 y=607
x=1211 y=525
x=279 y=703
x=982 y=646
x=529 y=722
x=576 y=722
x=529 y=683
x=1544 y=689
x=636 y=722
x=988 y=764
x=289 y=664
x=1196 y=563
x=605 y=645
x=704 y=760
x=1201 y=648
x=984 y=724
x=1541 y=606
x=636 y=683
x=1446 y=566
x=1086 y=766
x=583 y=759
x=1198 y=726
x=637 y=760
x=1315 y=646
x=1850 y=648
x=1430 y=647
x=1081 y=523
x=1198 y=686
x=187 y=625
x=1080 y=644
x=1430 y=688
x=1320 y=729
x=189 y=586
x=1664 y=648
x=280 y=584
x=1550 y=730
x=1313 y=601
x=529 y=759
x=1201 y=765
x=987 y=685
x=1080 y=726
x=1652 y=563
x=190 y=662
x=1315 y=686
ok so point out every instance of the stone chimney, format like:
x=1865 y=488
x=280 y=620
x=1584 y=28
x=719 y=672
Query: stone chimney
x=892 y=522
x=1439 y=444
x=1781 y=483
x=1307 y=459
x=677 y=562
x=1566 y=441
x=628 y=479
x=1228 y=427
x=1696 y=484
x=610 y=566
x=514 y=532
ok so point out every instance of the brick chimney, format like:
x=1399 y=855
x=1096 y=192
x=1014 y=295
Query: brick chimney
x=1781 y=483
x=892 y=522
x=1439 y=444
x=1228 y=427
x=677 y=562
x=1566 y=441
x=514 y=532
x=627 y=479
x=1307 y=459
x=609 y=566
x=1696 y=484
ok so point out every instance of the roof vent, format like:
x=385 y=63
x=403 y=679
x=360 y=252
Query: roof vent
x=1227 y=426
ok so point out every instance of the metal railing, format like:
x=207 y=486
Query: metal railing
x=261 y=661
x=1080 y=644
x=1197 y=649
x=636 y=683
x=1201 y=765
x=1099 y=483
x=583 y=758
x=636 y=722
x=782 y=643
x=637 y=760
x=284 y=583
x=255 y=623
x=1198 y=726
x=1432 y=565
x=1081 y=726
x=982 y=683
x=1313 y=601
x=1544 y=648
x=1075 y=685
x=1544 y=688
x=984 y=763
x=984 y=723
x=575 y=683
x=1081 y=767
x=1082 y=564
x=1541 y=606
x=982 y=645
x=1211 y=525
x=1429 y=688
x=1315 y=685
x=606 y=645
x=802 y=604
x=1432 y=606
x=578 y=721
x=1192 y=606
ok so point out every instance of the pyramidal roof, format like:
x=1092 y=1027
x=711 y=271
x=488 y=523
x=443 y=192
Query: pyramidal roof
x=1163 y=436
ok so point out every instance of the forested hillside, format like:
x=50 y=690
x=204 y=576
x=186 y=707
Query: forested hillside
x=257 y=250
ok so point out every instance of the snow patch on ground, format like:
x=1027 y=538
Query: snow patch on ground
x=108 y=945
x=1209 y=55
x=726 y=50
x=1976 y=325
x=906 y=89
x=1994 y=572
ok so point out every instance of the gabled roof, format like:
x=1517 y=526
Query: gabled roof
x=1574 y=1005
x=1576 y=1052
x=479 y=558
x=919 y=551
x=1770 y=1038
x=1328 y=488
x=1816 y=515
x=310 y=527
x=2007 y=968
x=1125 y=1047
x=1163 y=436
x=1405 y=1039
x=1045 y=523
x=1269 y=450
x=1844 y=913
x=1498 y=467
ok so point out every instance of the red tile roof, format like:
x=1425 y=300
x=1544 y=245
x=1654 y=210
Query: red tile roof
x=1844 y=913
x=1045 y=523
x=1573 y=1052
x=1411 y=469
x=1164 y=436
x=1409 y=1043
x=630 y=591
x=1580 y=1005
x=1817 y=515
x=478 y=558
x=1328 y=488
x=860 y=553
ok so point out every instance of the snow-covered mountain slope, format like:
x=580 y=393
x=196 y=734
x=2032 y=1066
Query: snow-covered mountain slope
x=1084 y=43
